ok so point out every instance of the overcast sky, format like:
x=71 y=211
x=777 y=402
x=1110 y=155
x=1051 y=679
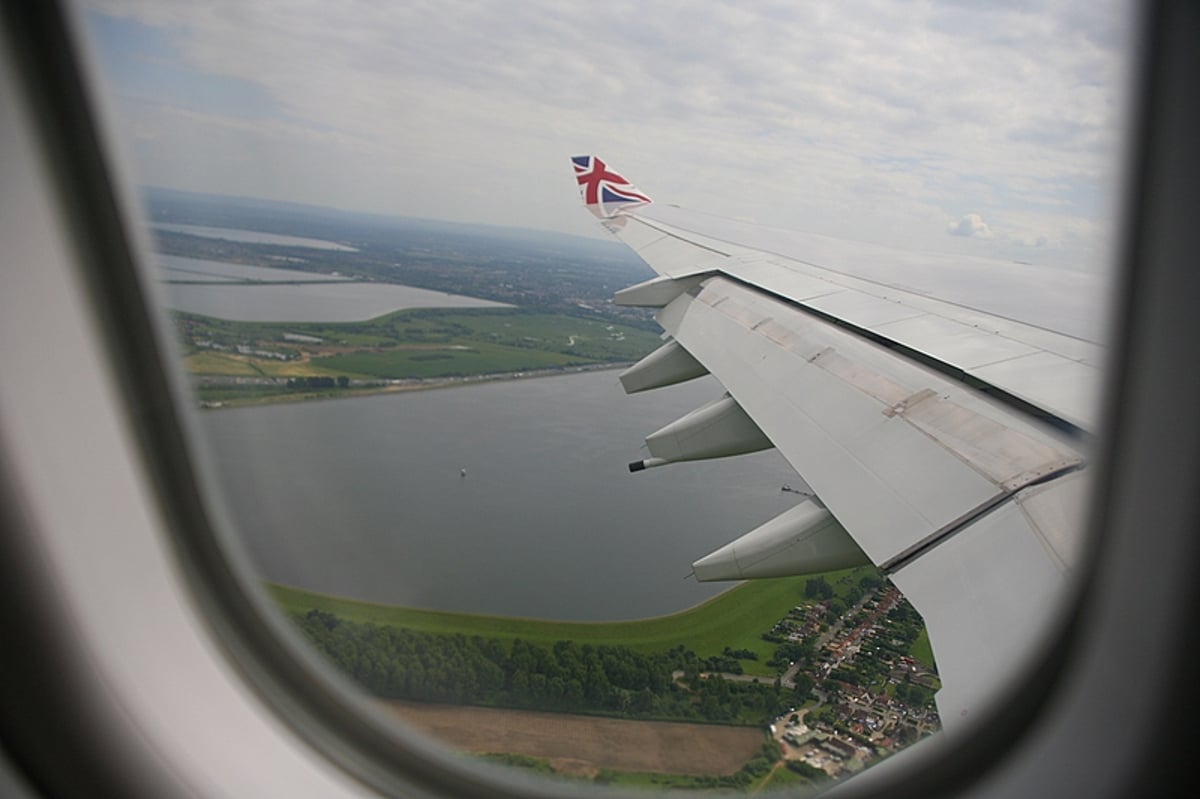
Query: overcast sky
x=952 y=126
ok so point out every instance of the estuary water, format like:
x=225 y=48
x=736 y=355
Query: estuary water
x=266 y=294
x=366 y=497
x=254 y=237
x=178 y=269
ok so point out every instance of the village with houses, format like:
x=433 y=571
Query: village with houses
x=871 y=697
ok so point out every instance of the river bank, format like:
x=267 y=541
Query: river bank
x=372 y=388
x=734 y=619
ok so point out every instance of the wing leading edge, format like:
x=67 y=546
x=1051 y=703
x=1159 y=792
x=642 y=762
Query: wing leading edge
x=943 y=438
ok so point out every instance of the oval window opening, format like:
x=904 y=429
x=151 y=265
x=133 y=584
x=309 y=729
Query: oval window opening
x=420 y=373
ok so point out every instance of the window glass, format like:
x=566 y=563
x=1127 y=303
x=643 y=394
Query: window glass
x=396 y=321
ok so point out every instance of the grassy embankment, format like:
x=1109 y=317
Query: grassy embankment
x=412 y=344
x=736 y=619
x=922 y=649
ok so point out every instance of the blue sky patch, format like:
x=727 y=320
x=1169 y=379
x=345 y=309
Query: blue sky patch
x=145 y=63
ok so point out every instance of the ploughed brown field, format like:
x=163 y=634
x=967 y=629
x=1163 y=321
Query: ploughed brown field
x=585 y=744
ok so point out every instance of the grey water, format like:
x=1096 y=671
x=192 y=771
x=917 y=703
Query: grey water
x=181 y=269
x=254 y=237
x=267 y=297
x=366 y=497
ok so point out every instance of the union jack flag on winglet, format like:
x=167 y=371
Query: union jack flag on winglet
x=601 y=186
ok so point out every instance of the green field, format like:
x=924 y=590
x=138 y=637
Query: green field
x=736 y=619
x=922 y=650
x=218 y=363
x=449 y=361
x=416 y=343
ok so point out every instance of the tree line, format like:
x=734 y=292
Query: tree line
x=318 y=382
x=398 y=663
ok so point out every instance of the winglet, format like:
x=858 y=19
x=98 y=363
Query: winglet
x=603 y=189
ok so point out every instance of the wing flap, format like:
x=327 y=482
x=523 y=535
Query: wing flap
x=897 y=452
x=989 y=594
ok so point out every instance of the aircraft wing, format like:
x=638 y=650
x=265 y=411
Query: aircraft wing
x=937 y=406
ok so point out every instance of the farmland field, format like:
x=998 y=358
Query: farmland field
x=584 y=745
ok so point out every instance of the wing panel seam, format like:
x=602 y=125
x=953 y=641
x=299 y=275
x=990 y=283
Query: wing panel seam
x=940 y=536
x=956 y=373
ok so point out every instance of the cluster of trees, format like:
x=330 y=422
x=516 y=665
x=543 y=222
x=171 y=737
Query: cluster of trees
x=838 y=601
x=725 y=662
x=318 y=382
x=915 y=695
x=818 y=588
x=740 y=654
x=787 y=653
x=611 y=680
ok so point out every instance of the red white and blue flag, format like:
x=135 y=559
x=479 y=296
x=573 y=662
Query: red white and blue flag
x=599 y=185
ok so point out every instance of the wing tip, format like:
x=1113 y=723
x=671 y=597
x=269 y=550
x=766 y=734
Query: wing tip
x=603 y=188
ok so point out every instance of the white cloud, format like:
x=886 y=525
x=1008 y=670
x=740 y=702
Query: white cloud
x=806 y=115
x=970 y=225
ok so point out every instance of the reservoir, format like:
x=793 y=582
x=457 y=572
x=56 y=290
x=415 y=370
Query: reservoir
x=253 y=237
x=367 y=497
x=266 y=294
x=178 y=269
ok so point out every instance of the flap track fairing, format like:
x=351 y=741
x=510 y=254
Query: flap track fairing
x=716 y=430
x=666 y=366
x=803 y=540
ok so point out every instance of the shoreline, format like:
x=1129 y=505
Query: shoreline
x=404 y=385
x=385 y=606
x=734 y=618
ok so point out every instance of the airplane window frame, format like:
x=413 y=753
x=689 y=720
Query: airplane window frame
x=324 y=712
